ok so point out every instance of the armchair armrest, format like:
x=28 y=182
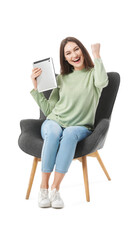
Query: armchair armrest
x=102 y=126
x=98 y=136
x=95 y=140
x=30 y=124
x=30 y=140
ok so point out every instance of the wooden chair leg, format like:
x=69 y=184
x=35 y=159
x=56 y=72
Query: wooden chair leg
x=102 y=165
x=35 y=162
x=85 y=175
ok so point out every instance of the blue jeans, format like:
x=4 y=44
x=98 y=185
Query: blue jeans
x=59 y=145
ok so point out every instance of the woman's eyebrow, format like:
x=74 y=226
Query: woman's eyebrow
x=73 y=49
x=67 y=51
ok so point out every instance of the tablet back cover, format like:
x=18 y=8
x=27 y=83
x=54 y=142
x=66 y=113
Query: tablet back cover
x=47 y=79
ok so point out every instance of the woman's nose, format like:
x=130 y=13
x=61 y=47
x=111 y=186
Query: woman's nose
x=74 y=54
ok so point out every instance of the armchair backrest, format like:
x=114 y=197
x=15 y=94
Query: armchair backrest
x=106 y=101
x=108 y=96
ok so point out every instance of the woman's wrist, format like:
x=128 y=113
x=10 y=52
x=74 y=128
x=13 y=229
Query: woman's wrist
x=96 y=56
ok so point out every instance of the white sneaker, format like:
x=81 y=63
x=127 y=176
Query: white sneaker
x=43 y=198
x=55 y=199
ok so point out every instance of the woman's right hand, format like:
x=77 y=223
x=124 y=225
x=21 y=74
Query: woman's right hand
x=35 y=73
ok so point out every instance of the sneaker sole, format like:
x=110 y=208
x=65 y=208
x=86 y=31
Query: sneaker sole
x=44 y=206
x=57 y=206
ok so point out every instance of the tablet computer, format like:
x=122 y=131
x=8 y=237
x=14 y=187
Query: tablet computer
x=47 y=79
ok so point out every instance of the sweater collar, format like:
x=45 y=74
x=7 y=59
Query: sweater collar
x=82 y=70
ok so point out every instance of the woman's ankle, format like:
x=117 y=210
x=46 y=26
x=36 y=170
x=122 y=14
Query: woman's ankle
x=53 y=186
x=43 y=186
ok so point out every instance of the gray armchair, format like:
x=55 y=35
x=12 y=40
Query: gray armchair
x=30 y=140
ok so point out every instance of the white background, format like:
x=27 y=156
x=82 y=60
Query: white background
x=33 y=30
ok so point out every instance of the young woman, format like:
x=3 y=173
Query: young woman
x=70 y=112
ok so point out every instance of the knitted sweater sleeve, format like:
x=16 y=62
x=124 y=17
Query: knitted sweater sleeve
x=46 y=105
x=100 y=75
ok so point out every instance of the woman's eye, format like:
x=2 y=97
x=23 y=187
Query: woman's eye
x=77 y=49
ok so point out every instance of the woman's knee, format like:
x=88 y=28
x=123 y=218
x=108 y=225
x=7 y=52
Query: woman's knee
x=70 y=132
x=51 y=128
x=77 y=133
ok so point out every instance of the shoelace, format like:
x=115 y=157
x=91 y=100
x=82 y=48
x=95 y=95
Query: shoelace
x=55 y=196
x=58 y=196
x=44 y=194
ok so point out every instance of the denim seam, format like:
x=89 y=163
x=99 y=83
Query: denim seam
x=47 y=170
x=58 y=170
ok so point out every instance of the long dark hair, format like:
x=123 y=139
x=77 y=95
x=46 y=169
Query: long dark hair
x=65 y=67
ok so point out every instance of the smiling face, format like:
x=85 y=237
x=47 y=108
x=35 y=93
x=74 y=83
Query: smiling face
x=74 y=55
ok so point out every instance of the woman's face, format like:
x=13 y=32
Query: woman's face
x=74 y=55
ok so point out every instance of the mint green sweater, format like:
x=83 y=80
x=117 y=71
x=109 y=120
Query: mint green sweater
x=74 y=101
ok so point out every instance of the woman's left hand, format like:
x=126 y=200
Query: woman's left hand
x=96 y=50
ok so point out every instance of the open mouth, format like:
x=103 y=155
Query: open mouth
x=77 y=60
